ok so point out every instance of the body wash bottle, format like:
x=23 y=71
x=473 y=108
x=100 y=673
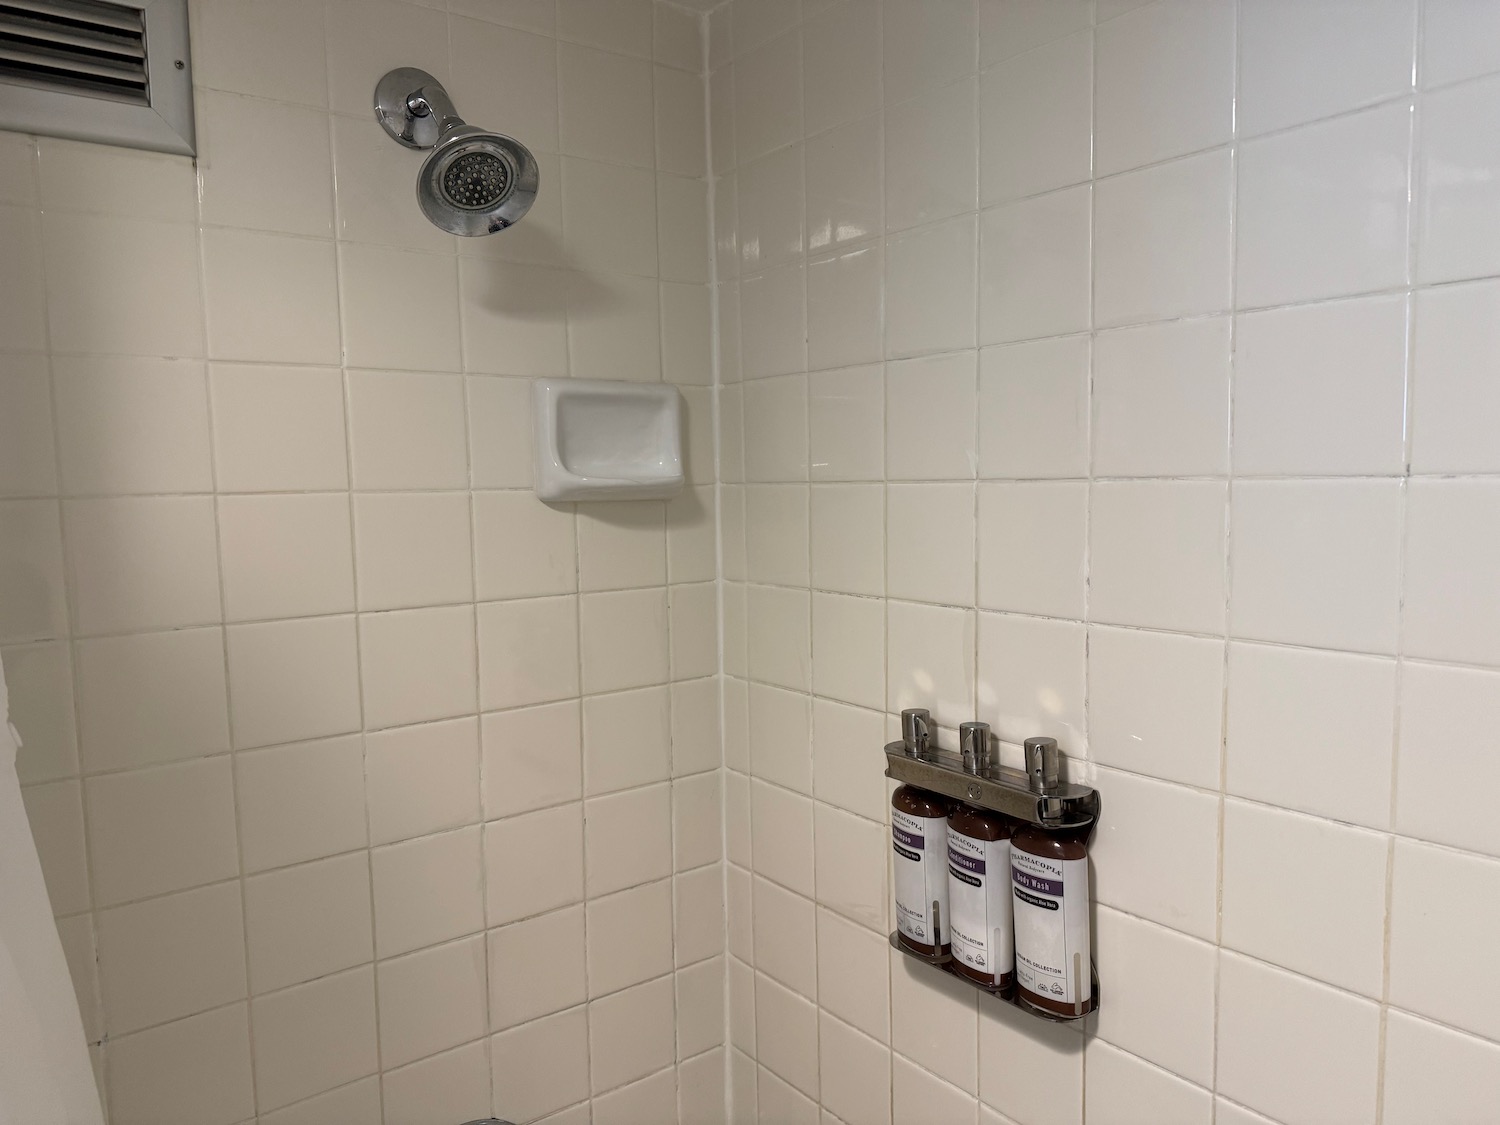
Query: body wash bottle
x=1050 y=873
x=979 y=879
x=919 y=840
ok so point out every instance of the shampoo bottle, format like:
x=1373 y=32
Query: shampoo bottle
x=1050 y=876
x=919 y=839
x=979 y=879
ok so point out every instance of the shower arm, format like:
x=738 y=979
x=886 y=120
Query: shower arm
x=431 y=102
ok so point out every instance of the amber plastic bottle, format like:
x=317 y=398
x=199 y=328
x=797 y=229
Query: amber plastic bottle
x=1050 y=875
x=979 y=878
x=919 y=840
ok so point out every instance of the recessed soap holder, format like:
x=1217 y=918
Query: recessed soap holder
x=1010 y=792
x=597 y=439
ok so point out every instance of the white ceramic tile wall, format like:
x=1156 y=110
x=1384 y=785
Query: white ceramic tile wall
x=296 y=654
x=1147 y=401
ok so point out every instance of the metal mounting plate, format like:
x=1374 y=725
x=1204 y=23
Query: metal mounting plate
x=1000 y=788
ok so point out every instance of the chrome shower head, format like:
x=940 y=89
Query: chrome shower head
x=475 y=182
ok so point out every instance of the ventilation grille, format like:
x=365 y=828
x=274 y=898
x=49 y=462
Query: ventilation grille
x=78 y=46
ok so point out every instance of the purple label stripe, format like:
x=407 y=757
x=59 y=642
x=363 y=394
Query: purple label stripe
x=909 y=839
x=966 y=862
x=1037 y=884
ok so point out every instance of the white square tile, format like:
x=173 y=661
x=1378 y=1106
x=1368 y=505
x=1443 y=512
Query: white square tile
x=698 y=914
x=427 y=891
x=161 y=829
x=696 y=741
x=514 y=319
x=783 y=929
x=930 y=410
x=1431 y=1071
x=1156 y=554
x=930 y=156
x=1034 y=275
x=839 y=736
x=1301 y=1050
x=651 y=1099
x=721 y=146
x=422 y=779
x=147 y=698
x=929 y=279
x=926 y=45
x=915 y=1092
x=629 y=937
x=1034 y=409
x=431 y=1000
x=286 y=556
x=270 y=298
x=697 y=821
x=523 y=548
x=786 y=1047
x=301 y=802
x=515 y=891
x=623 y=639
x=627 y=839
x=1162 y=239
x=1165 y=82
x=131 y=425
x=533 y=967
x=141 y=563
x=930 y=542
x=541 y=1066
x=1458 y=235
x=1131 y=675
x=844 y=304
x=1118 y=1079
x=677 y=38
x=454 y=1084
x=609 y=216
x=1156 y=854
x=28 y=465
x=314 y=1037
x=682 y=230
x=1444 y=714
x=692 y=617
x=930 y=662
x=42 y=711
x=1458 y=40
x=767 y=97
x=170 y=957
x=621 y=546
x=33 y=593
x=626 y=739
x=407 y=430
x=846 y=424
x=308 y=921
x=358 y=1101
x=854 y=1073
x=1453 y=542
x=775 y=421
x=1466 y=887
x=278 y=429
x=114 y=285
x=769 y=209
x=55 y=812
x=844 y=183
x=604 y=105
x=1031 y=678
x=1296 y=372
x=840 y=66
x=778 y=641
x=1328 y=922
x=290 y=680
x=1175 y=1031
x=755 y=23
x=412 y=549
x=935 y=1022
x=1299 y=62
x=1009 y=27
x=373 y=199
x=1161 y=400
x=700 y=1008
x=631 y=1034
x=1322 y=211
x=776 y=532
x=528 y=652
x=1317 y=563
x=1053 y=1054
x=687 y=334
x=773 y=319
x=196 y=1069
x=291 y=50
x=848 y=648
x=264 y=165
x=504 y=74
x=426 y=337
x=1455 y=403
x=692 y=535
x=18 y=169
x=854 y=974
x=619 y=26
x=1036 y=119
x=782 y=836
x=1012 y=518
x=850 y=866
x=531 y=758
x=1328 y=718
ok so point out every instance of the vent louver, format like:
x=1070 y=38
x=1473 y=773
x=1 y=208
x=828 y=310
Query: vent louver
x=82 y=46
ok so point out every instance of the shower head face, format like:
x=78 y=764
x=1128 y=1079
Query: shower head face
x=477 y=182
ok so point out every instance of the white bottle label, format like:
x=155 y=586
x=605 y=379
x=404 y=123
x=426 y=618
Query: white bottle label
x=979 y=903
x=921 y=876
x=1052 y=926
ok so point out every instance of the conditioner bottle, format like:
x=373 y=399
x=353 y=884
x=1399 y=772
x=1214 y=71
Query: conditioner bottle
x=979 y=879
x=919 y=840
x=1050 y=876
